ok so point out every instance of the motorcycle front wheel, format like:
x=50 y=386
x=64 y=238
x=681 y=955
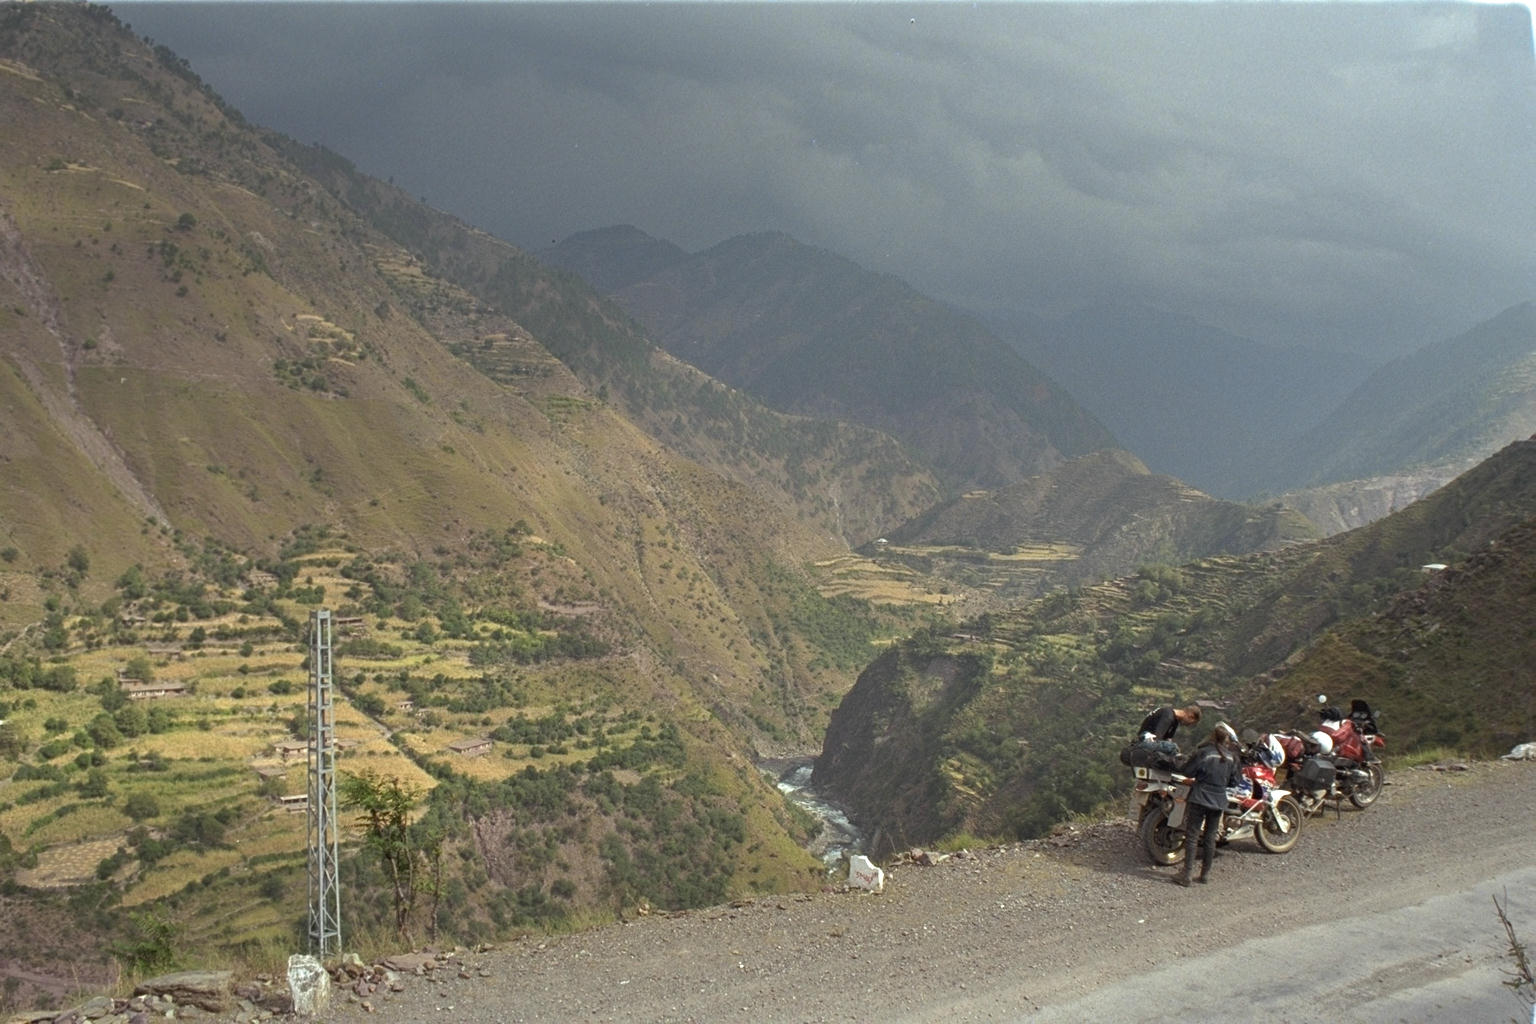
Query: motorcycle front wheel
x=1365 y=794
x=1164 y=845
x=1268 y=832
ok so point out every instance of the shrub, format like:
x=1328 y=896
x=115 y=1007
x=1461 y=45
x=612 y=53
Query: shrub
x=139 y=806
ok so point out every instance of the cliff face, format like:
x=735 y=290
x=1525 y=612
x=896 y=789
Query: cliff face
x=1334 y=508
x=893 y=720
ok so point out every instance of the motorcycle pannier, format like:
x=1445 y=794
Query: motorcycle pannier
x=1155 y=755
x=1316 y=775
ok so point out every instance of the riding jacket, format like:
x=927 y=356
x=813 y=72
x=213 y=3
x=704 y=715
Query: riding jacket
x=1214 y=770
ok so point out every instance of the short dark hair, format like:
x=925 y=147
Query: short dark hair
x=1193 y=711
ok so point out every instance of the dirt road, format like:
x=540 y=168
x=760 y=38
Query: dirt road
x=1378 y=915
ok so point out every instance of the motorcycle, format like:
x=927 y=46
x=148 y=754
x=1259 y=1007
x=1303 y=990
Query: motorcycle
x=1339 y=760
x=1256 y=807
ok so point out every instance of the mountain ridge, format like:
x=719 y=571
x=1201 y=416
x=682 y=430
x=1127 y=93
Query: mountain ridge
x=811 y=332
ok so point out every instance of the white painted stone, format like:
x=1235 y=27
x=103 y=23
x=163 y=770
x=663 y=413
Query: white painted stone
x=309 y=983
x=864 y=874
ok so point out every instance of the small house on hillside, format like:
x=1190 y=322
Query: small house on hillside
x=134 y=689
x=289 y=750
x=471 y=748
x=294 y=803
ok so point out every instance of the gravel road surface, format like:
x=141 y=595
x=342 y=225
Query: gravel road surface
x=1382 y=915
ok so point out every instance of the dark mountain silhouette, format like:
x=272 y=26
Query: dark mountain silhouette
x=810 y=332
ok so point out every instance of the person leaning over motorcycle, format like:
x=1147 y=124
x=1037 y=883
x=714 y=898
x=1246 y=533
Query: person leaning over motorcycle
x=1214 y=768
x=1163 y=722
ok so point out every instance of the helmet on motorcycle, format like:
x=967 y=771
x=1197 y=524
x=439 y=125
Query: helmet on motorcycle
x=1224 y=733
x=1270 y=751
x=1324 y=742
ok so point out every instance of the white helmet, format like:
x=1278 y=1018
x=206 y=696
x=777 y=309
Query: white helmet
x=1271 y=752
x=1323 y=741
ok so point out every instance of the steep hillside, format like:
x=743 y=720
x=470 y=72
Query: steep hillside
x=1437 y=409
x=1448 y=663
x=231 y=397
x=852 y=481
x=1011 y=722
x=812 y=333
x=1093 y=518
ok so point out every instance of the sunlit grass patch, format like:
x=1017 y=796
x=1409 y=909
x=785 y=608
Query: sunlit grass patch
x=191 y=744
x=172 y=874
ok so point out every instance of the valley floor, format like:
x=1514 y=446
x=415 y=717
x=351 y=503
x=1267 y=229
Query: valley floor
x=1378 y=915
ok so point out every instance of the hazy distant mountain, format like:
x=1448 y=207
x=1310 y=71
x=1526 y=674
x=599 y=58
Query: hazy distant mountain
x=1443 y=407
x=1192 y=401
x=810 y=332
x=613 y=258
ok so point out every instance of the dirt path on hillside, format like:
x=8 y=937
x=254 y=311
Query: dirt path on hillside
x=1380 y=915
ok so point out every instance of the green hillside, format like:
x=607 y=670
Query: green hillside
x=848 y=480
x=1014 y=720
x=231 y=398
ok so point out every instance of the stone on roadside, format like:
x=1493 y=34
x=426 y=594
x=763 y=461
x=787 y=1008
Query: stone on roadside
x=309 y=983
x=410 y=963
x=206 y=990
x=865 y=874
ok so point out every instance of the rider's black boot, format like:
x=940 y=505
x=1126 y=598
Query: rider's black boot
x=1205 y=866
x=1182 y=878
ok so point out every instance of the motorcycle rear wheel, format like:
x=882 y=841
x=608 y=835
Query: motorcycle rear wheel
x=1362 y=796
x=1164 y=845
x=1268 y=833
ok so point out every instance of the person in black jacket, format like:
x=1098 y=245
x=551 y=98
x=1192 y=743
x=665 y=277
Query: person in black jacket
x=1214 y=768
x=1163 y=722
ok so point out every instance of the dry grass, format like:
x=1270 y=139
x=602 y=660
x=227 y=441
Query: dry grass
x=68 y=865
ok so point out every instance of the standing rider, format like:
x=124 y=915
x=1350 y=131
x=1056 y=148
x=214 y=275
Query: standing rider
x=1214 y=767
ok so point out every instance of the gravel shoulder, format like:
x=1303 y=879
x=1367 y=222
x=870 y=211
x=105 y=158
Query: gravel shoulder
x=1055 y=928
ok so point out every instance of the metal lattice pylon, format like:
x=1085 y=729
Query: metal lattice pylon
x=324 y=890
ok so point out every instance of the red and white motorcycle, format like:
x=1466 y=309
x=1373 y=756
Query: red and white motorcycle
x=1256 y=807
x=1337 y=761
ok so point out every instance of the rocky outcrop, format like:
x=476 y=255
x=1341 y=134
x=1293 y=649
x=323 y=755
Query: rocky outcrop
x=878 y=760
x=1334 y=508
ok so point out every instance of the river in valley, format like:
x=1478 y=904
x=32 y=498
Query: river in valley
x=838 y=837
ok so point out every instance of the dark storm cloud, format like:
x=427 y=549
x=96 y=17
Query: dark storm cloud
x=1351 y=174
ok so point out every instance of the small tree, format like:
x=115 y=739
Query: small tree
x=411 y=862
x=150 y=944
x=78 y=560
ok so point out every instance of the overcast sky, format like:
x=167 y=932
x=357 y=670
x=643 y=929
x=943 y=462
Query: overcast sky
x=1357 y=175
